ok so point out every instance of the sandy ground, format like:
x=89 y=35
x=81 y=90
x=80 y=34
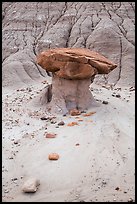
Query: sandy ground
x=97 y=156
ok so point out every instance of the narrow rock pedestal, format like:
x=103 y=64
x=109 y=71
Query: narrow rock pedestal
x=70 y=94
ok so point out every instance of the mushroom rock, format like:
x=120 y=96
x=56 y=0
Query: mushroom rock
x=73 y=70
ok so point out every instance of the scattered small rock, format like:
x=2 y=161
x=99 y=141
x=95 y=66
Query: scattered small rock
x=130 y=200
x=80 y=119
x=118 y=95
x=118 y=88
x=77 y=144
x=6 y=191
x=53 y=156
x=61 y=123
x=117 y=188
x=132 y=88
x=125 y=191
x=11 y=157
x=30 y=185
x=29 y=89
x=74 y=112
x=89 y=114
x=22 y=89
x=50 y=135
x=52 y=122
x=16 y=141
x=105 y=102
x=104 y=182
x=72 y=124
x=83 y=111
x=14 y=179
x=44 y=118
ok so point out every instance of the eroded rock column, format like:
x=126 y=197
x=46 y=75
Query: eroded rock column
x=70 y=94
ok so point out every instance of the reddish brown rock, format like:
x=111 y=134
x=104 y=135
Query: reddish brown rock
x=72 y=124
x=74 y=63
x=50 y=135
x=53 y=156
x=89 y=114
x=74 y=112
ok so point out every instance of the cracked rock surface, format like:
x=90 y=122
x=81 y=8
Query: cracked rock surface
x=28 y=28
x=74 y=63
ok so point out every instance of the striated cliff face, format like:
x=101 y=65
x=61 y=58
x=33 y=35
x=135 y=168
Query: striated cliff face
x=31 y=27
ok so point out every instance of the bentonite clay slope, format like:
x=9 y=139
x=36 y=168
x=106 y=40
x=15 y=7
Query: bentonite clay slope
x=74 y=63
x=31 y=27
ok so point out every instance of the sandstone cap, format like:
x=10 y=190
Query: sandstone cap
x=74 y=63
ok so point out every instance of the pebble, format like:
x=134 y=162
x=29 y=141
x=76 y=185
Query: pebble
x=104 y=182
x=6 y=191
x=118 y=95
x=61 y=123
x=16 y=141
x=130 y=200
x=29 y=89
x=72 y=124
x=83 y=111
x=53 y=156
x=131 y=88
x=105 y=102
x=44 y=118
x=14 y=179
x=50 y=135
x=74 y=112
x=125 y=191
x=89 y=114
x=11 y=157
x=53 y=122
x=30 y=185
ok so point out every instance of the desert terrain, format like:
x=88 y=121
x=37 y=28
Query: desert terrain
x=97 y=155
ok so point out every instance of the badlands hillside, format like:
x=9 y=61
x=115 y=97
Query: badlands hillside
x=97 y=151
